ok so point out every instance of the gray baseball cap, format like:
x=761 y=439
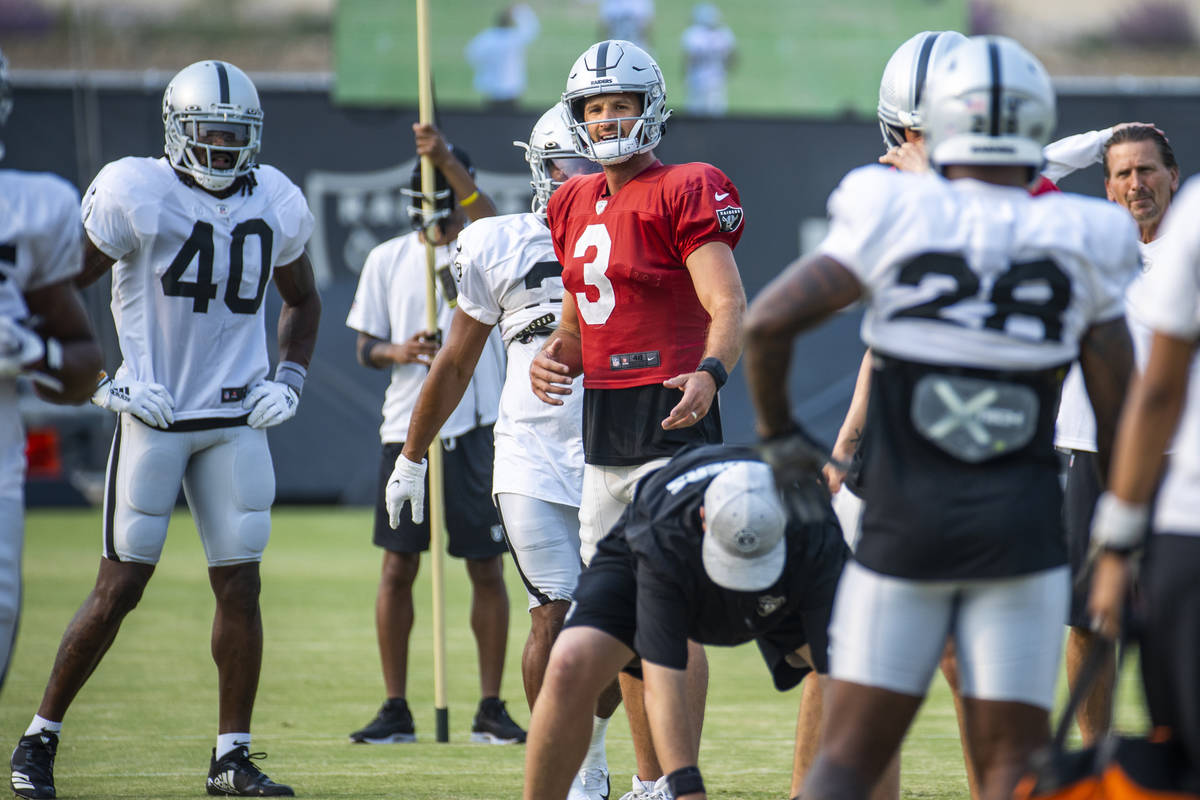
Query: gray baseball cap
x=743 y=546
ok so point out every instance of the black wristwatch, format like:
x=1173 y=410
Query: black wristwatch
x=714 y=367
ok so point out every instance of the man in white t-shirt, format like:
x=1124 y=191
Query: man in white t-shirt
x=1163 y=403
x=389 y=314
x=498 y=56
x=44 y=334
x=709 y=50
x=192 y=240
x=1141 y=174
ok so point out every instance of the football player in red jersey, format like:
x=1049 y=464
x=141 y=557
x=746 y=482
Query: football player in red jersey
x=652 y=313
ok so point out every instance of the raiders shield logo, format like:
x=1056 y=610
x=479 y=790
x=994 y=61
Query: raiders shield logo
x=729 y=218
x=354 y=211
x=769 y=604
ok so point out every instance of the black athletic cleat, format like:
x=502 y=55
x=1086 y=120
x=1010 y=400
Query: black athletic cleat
x=33 y=765
x=393 y=723
x=493 y=725
x=234 y=774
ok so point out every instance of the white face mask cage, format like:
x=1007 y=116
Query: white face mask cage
x=442 y=202
x=6 y=101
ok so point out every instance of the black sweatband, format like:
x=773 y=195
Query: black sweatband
x=685 y=780
x=714 y=367
x=364 y=352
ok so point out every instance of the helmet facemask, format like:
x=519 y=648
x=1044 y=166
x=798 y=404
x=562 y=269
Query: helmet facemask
x=6 y=102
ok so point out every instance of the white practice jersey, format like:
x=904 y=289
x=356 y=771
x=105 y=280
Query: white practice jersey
x=390 y=305
x=1076 y=425
x=41 y=243
x=191 y=276
x=1019 y=278
x=509 y=277
x=1172 y=307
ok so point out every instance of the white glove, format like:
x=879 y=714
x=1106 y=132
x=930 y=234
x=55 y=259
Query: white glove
x=19 y=347
x=270 y=403
x=406 y=485
x=149 y=402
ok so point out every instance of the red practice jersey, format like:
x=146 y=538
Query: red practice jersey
x=623 y=261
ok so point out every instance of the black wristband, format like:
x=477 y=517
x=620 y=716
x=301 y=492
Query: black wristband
x=364 y=352
x=685 y=780
x=714 y=367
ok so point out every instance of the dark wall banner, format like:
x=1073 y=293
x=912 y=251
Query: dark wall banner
x=352 y=162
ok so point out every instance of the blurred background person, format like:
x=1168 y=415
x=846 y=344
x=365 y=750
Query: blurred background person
x=630 y=20
x=709 y=51
x=498 y=56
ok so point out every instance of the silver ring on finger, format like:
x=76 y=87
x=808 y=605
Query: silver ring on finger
x=695 y=416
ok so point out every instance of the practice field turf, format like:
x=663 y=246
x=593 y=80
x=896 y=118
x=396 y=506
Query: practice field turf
x=793 y=57
x=144 y=724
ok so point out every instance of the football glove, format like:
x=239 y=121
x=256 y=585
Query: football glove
x=149 y=402
x=796 y=459
x=406 y=485
x=19 y=347
x=270 y=403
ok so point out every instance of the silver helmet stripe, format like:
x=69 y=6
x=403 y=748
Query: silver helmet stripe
x=602 y=60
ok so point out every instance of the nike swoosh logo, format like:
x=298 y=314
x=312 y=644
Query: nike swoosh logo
x=640 y=69
x=721 y=196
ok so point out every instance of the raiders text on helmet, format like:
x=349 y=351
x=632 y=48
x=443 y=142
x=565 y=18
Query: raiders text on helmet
x=903 y=82
x=988 y=102
x=212 y=97
x=550 y=146
x=610 y=67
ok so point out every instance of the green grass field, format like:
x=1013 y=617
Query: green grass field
x=794 y=57
x=144 y=724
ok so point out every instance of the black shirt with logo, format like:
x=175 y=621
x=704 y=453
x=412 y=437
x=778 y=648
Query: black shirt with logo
x=660 y=535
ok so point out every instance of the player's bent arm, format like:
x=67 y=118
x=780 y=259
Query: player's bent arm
x=95 y=264
x=472 y=199
x=1106 y=360
x=300 y=316
x=806 y=293
x=850 y=434
x=446 y=383
x=666 y=704
x=64 y=319
x=719 y=288
x=560 y=359
x=1149 y=419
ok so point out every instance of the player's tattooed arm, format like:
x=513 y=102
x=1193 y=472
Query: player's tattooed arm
x=95 y=264
x=1106 y=359
x=808 y=291
x=300 y=315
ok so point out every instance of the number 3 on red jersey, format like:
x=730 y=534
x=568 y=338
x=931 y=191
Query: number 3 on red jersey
x=595 y=312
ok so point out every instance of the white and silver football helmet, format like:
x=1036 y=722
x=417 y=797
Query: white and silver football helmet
x=903 y=82
x=988 y=102
x=552 y=157
x=207 y=97
x=6 y=102
x=608 y=67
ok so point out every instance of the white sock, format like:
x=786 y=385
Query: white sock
x=595 y=754
x=229 y=741
x=40 y=724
